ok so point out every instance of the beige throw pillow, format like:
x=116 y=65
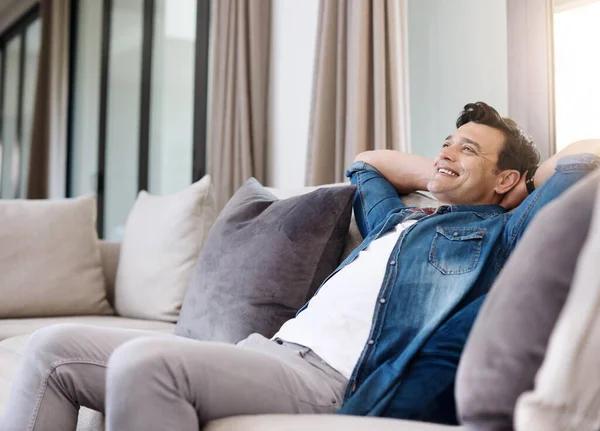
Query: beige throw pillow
x=49 y=259
x=162 y=240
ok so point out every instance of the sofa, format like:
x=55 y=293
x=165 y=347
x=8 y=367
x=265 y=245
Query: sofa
x=15 y=332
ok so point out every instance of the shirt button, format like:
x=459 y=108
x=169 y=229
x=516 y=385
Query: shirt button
x=382 y=300
x=455 y=234
x=371 y=342
x=392 y=262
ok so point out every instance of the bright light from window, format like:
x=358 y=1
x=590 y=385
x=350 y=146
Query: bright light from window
x=577 y=74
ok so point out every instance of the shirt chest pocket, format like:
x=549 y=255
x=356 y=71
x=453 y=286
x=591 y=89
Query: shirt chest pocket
x=456 y=250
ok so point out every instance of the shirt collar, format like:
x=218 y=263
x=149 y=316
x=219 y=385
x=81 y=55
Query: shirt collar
x=482 y=210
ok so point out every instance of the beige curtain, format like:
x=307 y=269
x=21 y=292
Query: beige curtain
x=531 y=69
x=47 y=163
x=360 y=85
x=12 y=10
x=237 y=108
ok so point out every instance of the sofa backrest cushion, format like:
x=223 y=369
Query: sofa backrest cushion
x=109 y=253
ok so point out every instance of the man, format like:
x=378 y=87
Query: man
x=382 y=335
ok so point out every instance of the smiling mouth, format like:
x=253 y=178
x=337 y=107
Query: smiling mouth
x=447 y=172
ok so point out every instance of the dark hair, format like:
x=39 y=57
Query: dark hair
x=519 y=151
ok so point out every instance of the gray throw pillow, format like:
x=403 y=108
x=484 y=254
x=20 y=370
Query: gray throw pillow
x=508 y=342
x=263 y=259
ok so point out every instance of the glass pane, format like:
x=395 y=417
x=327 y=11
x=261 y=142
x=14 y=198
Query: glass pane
x=32 y=55
x=576 y=71
x=172 y=110
x=124 y=80
x=10 y=156
x=86 y=100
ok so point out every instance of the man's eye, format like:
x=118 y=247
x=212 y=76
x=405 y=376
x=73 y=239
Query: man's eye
x=445 y=145
x=469 y=149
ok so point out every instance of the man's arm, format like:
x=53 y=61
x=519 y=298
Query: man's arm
x=379 y=177
x=552 y=178
x=406 y=172
x=547 y=168
x=518 y=194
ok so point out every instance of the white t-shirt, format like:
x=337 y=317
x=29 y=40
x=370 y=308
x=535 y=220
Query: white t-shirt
x=337 y=321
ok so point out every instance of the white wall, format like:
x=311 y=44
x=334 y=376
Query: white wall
x=457 y=54
x=293 y=37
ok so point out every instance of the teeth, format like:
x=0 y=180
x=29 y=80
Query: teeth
x=446 y=171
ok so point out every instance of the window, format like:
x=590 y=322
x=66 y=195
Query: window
x=19 y=55
x=138 y=101
x=123 y=122
x=576 y=70
x=172 y=102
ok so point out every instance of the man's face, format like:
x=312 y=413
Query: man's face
x=466 y=169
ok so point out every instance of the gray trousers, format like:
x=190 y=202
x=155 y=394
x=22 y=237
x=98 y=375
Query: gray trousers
x=148 y=381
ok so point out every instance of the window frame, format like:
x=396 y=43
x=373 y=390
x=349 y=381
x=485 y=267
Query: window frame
x=17 y=30
x=198 y=168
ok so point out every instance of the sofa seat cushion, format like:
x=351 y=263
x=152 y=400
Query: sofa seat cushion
x=15 y=344
x=13 y=327
x=320 y=423
x=90 y=420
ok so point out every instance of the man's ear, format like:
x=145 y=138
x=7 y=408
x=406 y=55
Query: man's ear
x=506 y=180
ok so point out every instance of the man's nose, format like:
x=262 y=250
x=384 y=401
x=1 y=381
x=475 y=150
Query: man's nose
x=448 y=153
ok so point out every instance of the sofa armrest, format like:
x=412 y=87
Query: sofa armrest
x=109 y=253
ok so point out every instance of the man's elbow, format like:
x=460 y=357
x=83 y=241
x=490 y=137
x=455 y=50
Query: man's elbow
x=375 y=156
x=584 y=146
x=365 y=156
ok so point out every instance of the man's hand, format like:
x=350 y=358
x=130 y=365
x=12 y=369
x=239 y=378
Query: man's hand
x=513 y=198
x=516 y=195
x=406 y=172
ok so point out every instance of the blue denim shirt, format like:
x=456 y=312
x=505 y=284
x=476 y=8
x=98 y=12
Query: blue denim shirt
x=438 y=265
